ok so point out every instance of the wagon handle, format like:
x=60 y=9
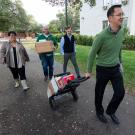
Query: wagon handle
x=62 y=74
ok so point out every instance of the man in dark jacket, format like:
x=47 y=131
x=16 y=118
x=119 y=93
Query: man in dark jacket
x=67 y=45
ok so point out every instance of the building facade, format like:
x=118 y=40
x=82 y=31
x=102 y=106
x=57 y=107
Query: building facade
x=94 y=19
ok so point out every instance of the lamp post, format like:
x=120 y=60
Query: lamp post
x=66 y=16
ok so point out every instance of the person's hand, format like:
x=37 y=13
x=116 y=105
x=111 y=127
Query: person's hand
x=121 y=68
x=88 y=75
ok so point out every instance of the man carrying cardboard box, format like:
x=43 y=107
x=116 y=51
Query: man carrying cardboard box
x=47 y=58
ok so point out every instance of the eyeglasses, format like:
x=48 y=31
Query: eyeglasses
x=120 y=15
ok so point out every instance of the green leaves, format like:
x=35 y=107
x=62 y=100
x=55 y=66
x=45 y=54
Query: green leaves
x=60 y=24
x=90 y=2
x=71 y=3
x=14 y=17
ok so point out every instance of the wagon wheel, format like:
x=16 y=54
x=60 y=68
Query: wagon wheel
x=75 y=95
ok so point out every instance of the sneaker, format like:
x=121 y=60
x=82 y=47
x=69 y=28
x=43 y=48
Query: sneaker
x=101 y=117
x=45 y=78
x=50 y=77
x=16 y=84
x=24 y=85
x=78 y=76
x=114 y=119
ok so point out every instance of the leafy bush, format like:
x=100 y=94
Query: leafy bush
x=84 y=40
x=59 y=35
x=81 y=40
x=129 y=42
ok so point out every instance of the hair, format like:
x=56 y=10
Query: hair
x=68 y=27
x=111 y=9
x=11 y=32
x=45 y=26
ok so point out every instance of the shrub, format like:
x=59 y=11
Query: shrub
x=81 y=40
x=129 y=42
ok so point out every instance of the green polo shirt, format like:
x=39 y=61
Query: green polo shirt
x=49 y=37
x=106 y=48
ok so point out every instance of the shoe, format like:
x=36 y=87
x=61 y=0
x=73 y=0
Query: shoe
x=45 y=78
x=114 y=119
x=16 y=83
x=101 y=117
x=24 y=85
x=50 y=77
x=78 y=76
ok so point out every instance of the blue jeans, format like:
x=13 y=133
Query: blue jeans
x=47 y=64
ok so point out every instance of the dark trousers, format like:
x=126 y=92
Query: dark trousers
x=18 y=73
x=72 y=57
x=47 y=64
x=103 y=75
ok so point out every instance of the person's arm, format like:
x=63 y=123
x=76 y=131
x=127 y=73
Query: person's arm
x=74 y=45
x=55 y=42
x=37 y=39
x=62 y=45
x=96 y=46
x=25 y=53
x=120 y=56
x=120 y=59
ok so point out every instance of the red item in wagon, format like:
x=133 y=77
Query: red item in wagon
x=68 y=78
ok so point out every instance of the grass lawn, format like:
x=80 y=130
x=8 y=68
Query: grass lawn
x=82 y=55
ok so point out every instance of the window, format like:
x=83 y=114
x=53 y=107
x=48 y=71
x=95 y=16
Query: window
x=116 y=1
x=112 y=2
x=124 y=2
x=105 y=23
x=106 y=2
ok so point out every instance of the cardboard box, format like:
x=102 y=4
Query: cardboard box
x=43 y=47
x=52 y=88
x=60 y=82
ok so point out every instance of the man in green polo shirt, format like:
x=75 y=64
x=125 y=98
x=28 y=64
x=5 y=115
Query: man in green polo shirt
x=106 y=49
x=47 y=59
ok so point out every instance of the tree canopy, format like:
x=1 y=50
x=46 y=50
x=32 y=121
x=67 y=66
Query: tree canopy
x=71 y=2
x=73 y=20
x=14 y=17
x=72 y=16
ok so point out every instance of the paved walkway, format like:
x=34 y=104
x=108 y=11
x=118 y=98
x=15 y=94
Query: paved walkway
x=28 y=113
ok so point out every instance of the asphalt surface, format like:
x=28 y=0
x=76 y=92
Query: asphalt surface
x=29 y=113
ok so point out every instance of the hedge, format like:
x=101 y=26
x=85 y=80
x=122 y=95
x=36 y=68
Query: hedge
x=80 y=39
x=128 y=43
